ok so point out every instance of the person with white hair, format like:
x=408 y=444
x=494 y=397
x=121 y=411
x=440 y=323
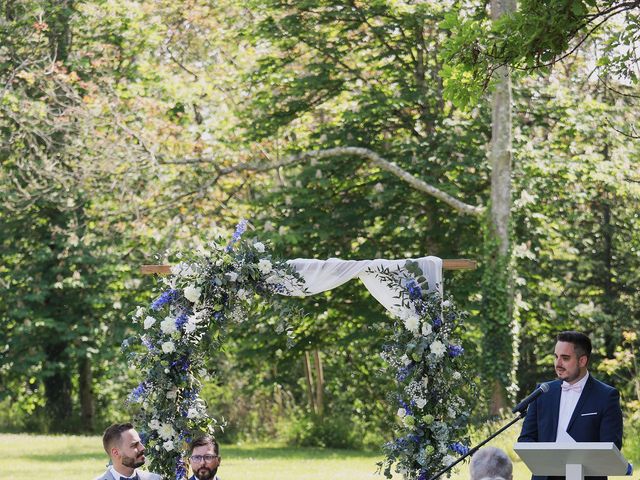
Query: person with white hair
x=491 y=463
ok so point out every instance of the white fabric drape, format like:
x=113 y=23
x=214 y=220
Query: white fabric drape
x=323 y=275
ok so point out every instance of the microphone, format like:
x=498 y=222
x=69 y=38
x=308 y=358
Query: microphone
x=522 y=406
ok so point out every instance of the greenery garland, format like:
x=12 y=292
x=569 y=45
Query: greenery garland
x=219 y=284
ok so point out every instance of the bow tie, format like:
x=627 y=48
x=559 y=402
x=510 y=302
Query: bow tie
x=135 y=477
x=567 y=387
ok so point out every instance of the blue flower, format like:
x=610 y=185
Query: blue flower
x=181 y=320
x=167 y=296
x=455 y=351
x=402 y=374
x=414 y=289
x=147 y=343
x=181 y=364
x=437 y=322
x=459 y=448
x=181 y=470
x=240 y=229
x=138 y=392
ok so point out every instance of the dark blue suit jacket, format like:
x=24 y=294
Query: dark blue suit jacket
x=596 y=418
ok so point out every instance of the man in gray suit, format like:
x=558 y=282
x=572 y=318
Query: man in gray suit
x=126 y=451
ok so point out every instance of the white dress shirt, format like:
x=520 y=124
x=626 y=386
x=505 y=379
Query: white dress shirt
x=117 y=474
x=568 y=401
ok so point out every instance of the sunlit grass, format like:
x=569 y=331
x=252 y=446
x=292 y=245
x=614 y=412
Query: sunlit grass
x=25 y=457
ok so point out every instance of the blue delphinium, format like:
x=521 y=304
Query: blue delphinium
x=455 y=351
x=181 y=470
x=240 y=229
x=414 y=289
x=459 y=448
x=147 y=343
x=138 y=392
x=181 y=320
x=167 y=296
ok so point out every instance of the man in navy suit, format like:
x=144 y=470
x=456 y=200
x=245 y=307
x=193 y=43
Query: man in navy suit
x=577 y=407
x=205 y=458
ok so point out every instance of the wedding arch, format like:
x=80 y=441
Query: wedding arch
x=217 y=284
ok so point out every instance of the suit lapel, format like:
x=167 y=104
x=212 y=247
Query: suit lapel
x=583 y=398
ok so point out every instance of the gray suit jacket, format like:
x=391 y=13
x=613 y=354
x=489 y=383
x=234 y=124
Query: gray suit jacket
x=141 y=474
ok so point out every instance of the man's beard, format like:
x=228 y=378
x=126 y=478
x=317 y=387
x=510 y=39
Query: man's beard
x=205 y=473
x=133 y=462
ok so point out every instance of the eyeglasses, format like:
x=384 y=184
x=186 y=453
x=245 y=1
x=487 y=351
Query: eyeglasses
x=203 y=458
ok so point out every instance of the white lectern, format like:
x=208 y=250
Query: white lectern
x=572 y=460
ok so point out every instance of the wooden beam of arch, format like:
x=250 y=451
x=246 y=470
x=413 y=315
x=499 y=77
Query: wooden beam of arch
x=447 y=264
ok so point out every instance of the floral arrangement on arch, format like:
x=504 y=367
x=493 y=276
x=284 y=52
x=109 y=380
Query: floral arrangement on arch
x=206 y=290
x=426 y=357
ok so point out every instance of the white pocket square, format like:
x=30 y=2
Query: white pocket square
x=587 y=414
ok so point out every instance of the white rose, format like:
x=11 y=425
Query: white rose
x=168 y=326
x=168 y=347
x=191 y=325
x=438 y=348
x=154 y=424
x=232 y=276
x=148 y=322
x=446 y=304
x=412 y=323
x=406 y=360
x=420 y=402
x=259 y=246
x=192 y=293
x=402 y=412
x=457 y=375
x=192 y=413
x=264 y=266
x=426 y=329
x=182 y=269
x=168 y=445
x=139 y=312
x=166 y=431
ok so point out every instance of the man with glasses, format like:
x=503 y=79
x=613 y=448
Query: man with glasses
x=205 y=458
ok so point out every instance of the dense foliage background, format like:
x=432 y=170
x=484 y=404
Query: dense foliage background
x=132 y=128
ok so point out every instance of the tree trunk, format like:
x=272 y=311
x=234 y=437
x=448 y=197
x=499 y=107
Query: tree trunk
x=57 y=389
x=319 y=383
x=60 y=29
x=498 y=328
x=309 y=378
x=87 y=399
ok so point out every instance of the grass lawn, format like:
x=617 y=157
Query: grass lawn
x=26 y=457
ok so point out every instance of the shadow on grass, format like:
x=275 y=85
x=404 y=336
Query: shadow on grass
x=307 y=453
x=229 y=452
x=62 y=457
